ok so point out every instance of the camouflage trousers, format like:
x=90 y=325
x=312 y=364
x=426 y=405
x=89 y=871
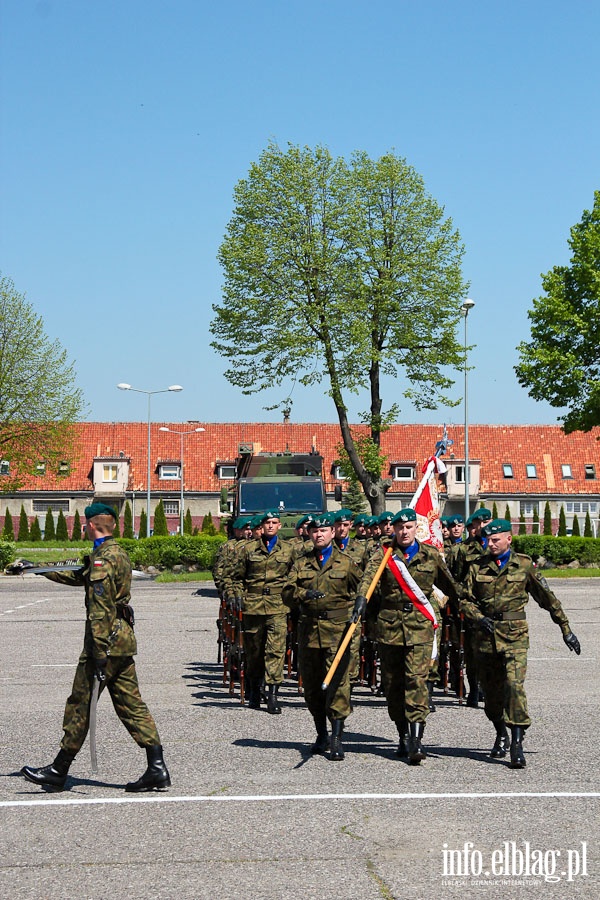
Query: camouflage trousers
x=502 y=678
x=122 y=685
x=265 y=640
x=404 y=673
x=434 y=664
x=314 y=663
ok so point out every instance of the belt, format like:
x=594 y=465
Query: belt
x=508 y=616
x=405 y=606
x=331 y=615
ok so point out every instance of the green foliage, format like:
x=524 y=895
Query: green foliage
x=23 y=534
x=8 y=532
x=8 y=553
x=187 y=522
x=494 y=511
x=354 y=498
x=559 y=551
x=208 y=526
x=547 y=520
x=38 y=397
x=160 y=521
x=62 y=533
x=562 y=523
x=507 y=514
x=522 y=525
x=76 y=531
x=117 y=531
x=535 y=528
x=561 y=363
x=166 y=552
x=35 y=532
x=340 y=272
x=127 y=522
x=143 y=523
x=49 y=527
x=587 y=528
x=575 y=530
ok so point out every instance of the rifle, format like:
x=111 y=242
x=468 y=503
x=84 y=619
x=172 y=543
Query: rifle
x=20 y=566
x=461 y=659
x=446 y=647
x=221 y=628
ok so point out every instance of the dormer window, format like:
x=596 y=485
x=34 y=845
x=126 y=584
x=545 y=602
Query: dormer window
x=168 y=472
x=507 y=470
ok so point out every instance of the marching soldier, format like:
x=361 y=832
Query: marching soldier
x=259 y=573
x=497 y=589
x=323 y=584
x=108 y=651
x=405 y=626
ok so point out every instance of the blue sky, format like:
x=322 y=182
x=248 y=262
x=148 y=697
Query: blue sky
x=125 y=125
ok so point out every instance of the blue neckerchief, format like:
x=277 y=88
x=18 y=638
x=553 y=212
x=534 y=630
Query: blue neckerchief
x=483 y=541
x=323 y=555
x=503 y=559
x=99 y=541
x=409 y=552
x=270 y=543
x=343 y=543
x=457 y=540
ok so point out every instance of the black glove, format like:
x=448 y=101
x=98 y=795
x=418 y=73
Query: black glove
x=313 y=595
x=572 y=642
x=100 y=668
x=486 y=624
x=360 y=608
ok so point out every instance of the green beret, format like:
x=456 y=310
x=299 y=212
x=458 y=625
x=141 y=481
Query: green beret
x=255 y=521
x=361 y=519
x=99 y=509
x=497 y=526
x=343 y=515
x=405 y=515
x=242 y=522
x=301 y=521
x=325 y=520
x=386 y=516
x=269 y=514
x=456 y=519
x=483 y=514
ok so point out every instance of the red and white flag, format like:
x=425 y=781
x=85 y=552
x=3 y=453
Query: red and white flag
x=426 y=504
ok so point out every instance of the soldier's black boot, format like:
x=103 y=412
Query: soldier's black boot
x=415 y=749
x=402 y=750
x=156 y=777
x=517 y=757
x=337 y=751
x=273 y=706
x=52 y=776
x=254 y=693
x=473 y=697
x=501 y=743
x=321 y=745
x=432 y=707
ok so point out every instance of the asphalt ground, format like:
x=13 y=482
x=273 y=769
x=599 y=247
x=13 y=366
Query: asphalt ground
x=251 y=814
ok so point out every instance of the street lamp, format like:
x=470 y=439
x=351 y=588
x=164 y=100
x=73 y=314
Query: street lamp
x=127 y=387
x=181 y=434
x=467 y=305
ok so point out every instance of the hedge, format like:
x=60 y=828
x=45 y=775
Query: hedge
x=8 y=553
x=166 y=552
x=559 y=551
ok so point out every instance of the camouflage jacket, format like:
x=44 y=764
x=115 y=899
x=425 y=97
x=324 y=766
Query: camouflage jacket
x=502 y=594
x=258 y=577
x=399 y=622
x=357 y=551
x=106 y=576
x=461 y=556
x=322 y=620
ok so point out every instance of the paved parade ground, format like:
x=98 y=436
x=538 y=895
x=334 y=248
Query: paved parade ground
x=251 y=814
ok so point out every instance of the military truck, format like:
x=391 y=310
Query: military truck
x=291 y=483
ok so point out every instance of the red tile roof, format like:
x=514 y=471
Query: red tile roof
x=544 y=446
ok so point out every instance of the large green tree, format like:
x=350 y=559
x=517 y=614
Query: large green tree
x=561 y=362
x=38 y=396
x=337 y=273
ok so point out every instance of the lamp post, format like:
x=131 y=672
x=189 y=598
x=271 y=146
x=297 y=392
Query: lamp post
x=181 y=434
x=467 y=305
x=127 y=387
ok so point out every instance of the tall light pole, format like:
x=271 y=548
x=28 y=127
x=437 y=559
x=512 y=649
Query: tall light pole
x=181 y=434
x=127 y=387
x=467 y=305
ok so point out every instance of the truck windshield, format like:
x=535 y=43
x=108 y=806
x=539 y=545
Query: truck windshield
x=284 y=496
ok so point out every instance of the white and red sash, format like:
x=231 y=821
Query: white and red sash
x=399 y=570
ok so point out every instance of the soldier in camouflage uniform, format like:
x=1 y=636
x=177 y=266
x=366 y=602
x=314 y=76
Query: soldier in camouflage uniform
x=108 y=651
x=323 y=585
x=496 y=594
x=357 y=551
x=259 y=573
x=405 y=633
x=242 y=531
